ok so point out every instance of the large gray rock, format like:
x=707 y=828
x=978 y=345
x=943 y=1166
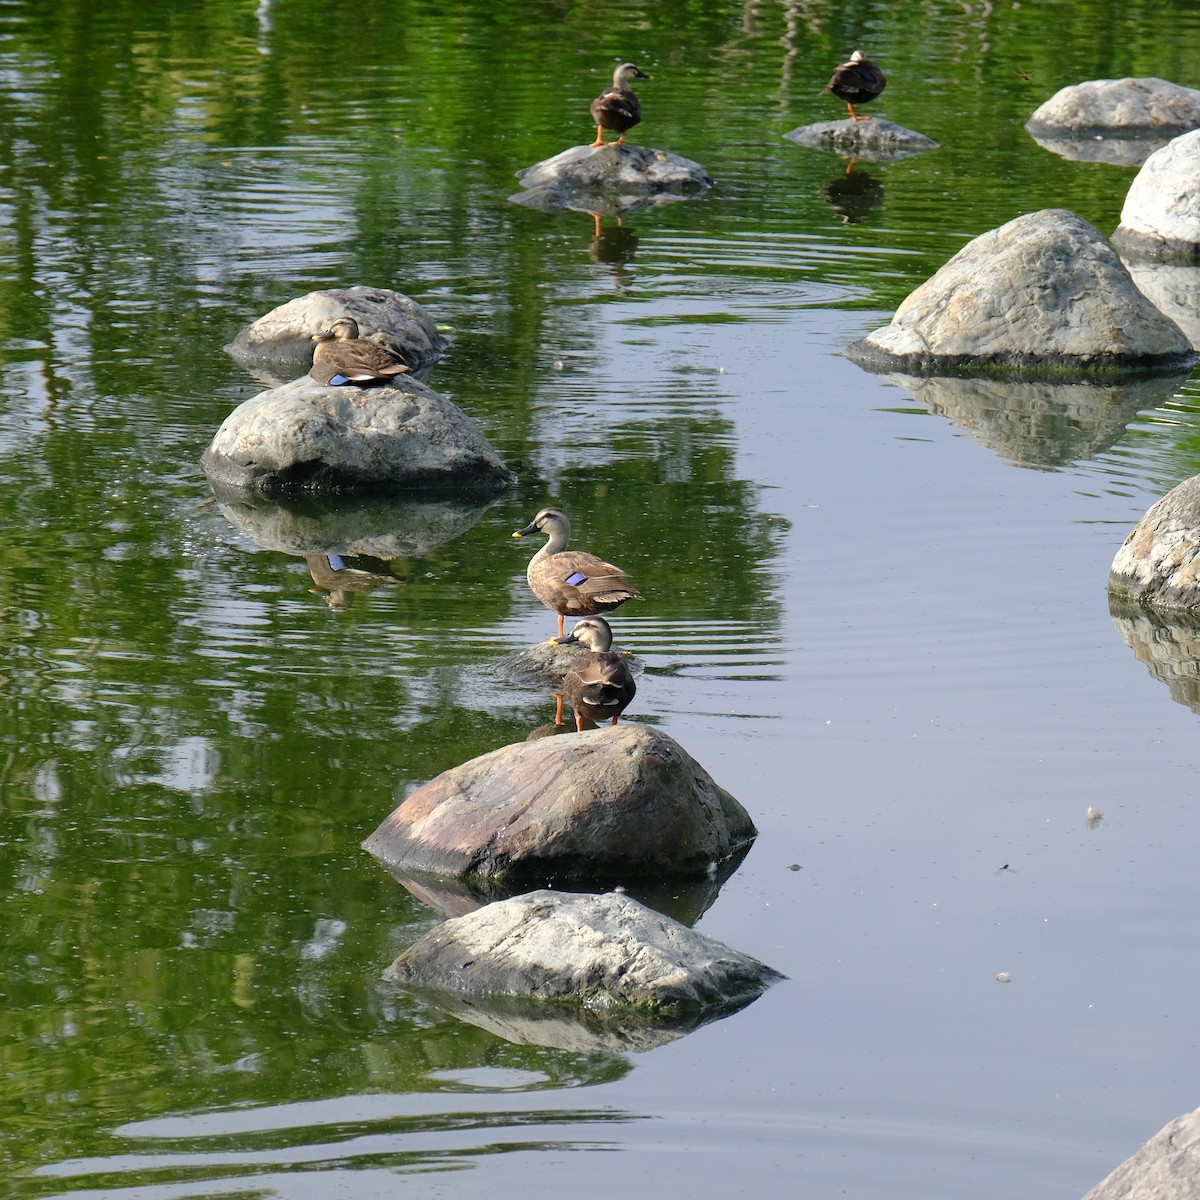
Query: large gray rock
x=283 y=338
x=1173 y=288
x=306 y=437
x=1043 y=292
x=1167 y=1167
x=614 y=177
x=612 y=802
x=1159 y=562
x=605 y=952
x=1128 y=107
x=1161 y=216
x=875 y=140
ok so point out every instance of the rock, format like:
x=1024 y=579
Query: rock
x=1045 y=292
x=1165 y=1168
x=1130 y=107
x=283 y=338
x=604 y=952
x=585 y=175
x=304 y=437
x=1173 y=288
x=545 y=664
x=876 y=140
x=1159 y=562
x=617 y=802
x=1040 y=423
x=1167 y=643
x=1161 y=216
x=1113 y=149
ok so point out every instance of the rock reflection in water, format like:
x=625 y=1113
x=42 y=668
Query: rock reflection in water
x=1039 y=424
x=379 y=527
x=1167 y=643
x=684 y=900
x=1099 y=148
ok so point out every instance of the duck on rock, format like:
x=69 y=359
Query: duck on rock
x=600 y=685
x=342 y=357
x=856 y=81
x=618 y=108
x=572 y=583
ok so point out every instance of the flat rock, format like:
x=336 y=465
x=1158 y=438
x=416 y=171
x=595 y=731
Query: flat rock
x=1159 y=562
x=1161 y=215
x=1045 y=292
x=1165 y=1168
x=588 y=174
x=618 y=801
x=605 y=952
x=1125 y=106
x=875 y=140
x=305 y=437
x=283 y=338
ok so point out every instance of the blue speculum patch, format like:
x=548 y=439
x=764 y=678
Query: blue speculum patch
x=576 y=578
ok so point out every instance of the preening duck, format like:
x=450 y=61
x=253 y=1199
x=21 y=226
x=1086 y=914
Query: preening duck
x=856 y=81
x=341 y=356
x=600 y=685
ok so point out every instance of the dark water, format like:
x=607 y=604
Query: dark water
x=875 y=612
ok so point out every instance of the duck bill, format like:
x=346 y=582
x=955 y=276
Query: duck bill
x=526 y=532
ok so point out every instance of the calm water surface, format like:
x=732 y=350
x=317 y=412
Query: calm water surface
x=875 y=610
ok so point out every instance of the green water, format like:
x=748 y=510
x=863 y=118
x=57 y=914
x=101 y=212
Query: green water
x=195 y=744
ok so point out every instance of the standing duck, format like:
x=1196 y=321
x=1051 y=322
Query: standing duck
x=856 y=81
x=572 y=582
x=618 y=108
x=341 y=356
x=600 y=685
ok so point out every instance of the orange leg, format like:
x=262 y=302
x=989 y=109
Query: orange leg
x=561 y=618
x=558 y=708
x=614 y=720
x=578 y=723
x=599 y=136
x=853 y=115
x=619 y=140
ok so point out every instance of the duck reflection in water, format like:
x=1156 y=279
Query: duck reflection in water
x=337 y=583
x=853 y=194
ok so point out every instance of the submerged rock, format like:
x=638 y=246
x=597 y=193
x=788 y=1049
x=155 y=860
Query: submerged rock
x=1045 y=292
x=586 y=175
x=1159 y=562
x=874 y=140
x=283 y=337
x=1161 y=216
x=305 y=437
x=1165 y=1168
x=604 y=952
x=1128 y=107
x=617 y=801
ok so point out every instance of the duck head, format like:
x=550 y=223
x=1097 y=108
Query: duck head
x=593 y=632
x=344 y=329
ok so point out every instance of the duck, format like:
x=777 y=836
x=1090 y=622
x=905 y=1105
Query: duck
x=572 y=582
x=856 y=81
x=600 y=685
x=618 y=108
x=342 y=357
